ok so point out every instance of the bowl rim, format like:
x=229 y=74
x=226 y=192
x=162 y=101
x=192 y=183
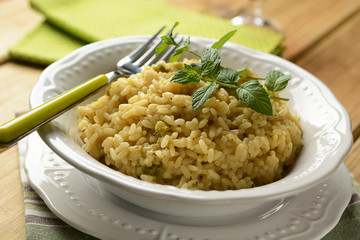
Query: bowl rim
x=49 y=135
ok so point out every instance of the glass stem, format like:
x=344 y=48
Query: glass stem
x=254 y=9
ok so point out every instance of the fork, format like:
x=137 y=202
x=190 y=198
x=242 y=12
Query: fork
x=14 y=130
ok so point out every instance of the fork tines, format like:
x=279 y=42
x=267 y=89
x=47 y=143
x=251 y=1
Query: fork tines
x=145 y=55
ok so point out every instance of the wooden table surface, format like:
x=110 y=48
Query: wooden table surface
x=322 y=37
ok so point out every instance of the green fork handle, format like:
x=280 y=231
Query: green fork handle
x=16 y=129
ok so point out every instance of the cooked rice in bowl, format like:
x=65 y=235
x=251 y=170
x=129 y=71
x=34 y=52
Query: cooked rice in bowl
x=145 y=127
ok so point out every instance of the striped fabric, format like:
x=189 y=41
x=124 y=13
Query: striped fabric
x=40 y=222
x=348 y=227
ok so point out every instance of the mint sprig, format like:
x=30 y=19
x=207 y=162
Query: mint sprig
x=223 y=39
x=252 y=93
x=276 y=81
x=202 y=94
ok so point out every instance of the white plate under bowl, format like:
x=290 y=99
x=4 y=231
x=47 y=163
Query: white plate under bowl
x=83 y=203
x=326 y=125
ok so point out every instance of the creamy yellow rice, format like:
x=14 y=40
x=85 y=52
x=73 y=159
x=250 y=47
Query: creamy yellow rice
x=145 y=127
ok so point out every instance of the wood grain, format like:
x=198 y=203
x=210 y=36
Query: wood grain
x=352 y=161
x=223 y=8
x=16 y=83
x=11 y=200
x=307 y=22
x=297 y=17
x=16 y=20
x=335 y=60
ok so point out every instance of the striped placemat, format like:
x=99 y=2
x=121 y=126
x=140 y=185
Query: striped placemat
x=40 y=222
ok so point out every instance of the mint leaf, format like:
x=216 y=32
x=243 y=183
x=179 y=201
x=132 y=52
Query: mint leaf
x=180 y=50
x=202 y=94
x=223 y=40
x=271 y=79
x=281 y=83
x=210 y=63
x=167 y=39
x=210 y=55
x=248 y=74
x=210 y=69
x=244 y=72
x=174 y=58
x=186 y=76
x=181 y=77
x=276 y=81
x=253 y=95
x=161 y=48
x=228 y=76
x=196 y=66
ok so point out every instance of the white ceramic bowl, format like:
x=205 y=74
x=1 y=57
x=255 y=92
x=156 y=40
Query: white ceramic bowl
x=326 y=125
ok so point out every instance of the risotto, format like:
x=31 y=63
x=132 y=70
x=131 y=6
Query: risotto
x=145 y=127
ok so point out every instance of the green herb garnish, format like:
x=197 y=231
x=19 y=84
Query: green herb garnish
x=275 y=82
x=252 y=93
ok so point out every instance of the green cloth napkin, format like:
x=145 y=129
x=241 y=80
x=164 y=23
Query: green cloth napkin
x=72 y=23
x=348 y=227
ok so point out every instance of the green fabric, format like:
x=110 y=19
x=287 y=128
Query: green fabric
x=45 y=45
x=349 y=225
x=39 y=232
x=73 y=23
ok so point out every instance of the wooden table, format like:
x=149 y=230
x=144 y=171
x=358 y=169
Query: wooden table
x=322 y=36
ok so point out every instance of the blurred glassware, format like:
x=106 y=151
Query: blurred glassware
x=253 y=15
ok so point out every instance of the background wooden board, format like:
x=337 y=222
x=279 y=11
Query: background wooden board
x=16 y=19
x=305 y=22
x=335 y=61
